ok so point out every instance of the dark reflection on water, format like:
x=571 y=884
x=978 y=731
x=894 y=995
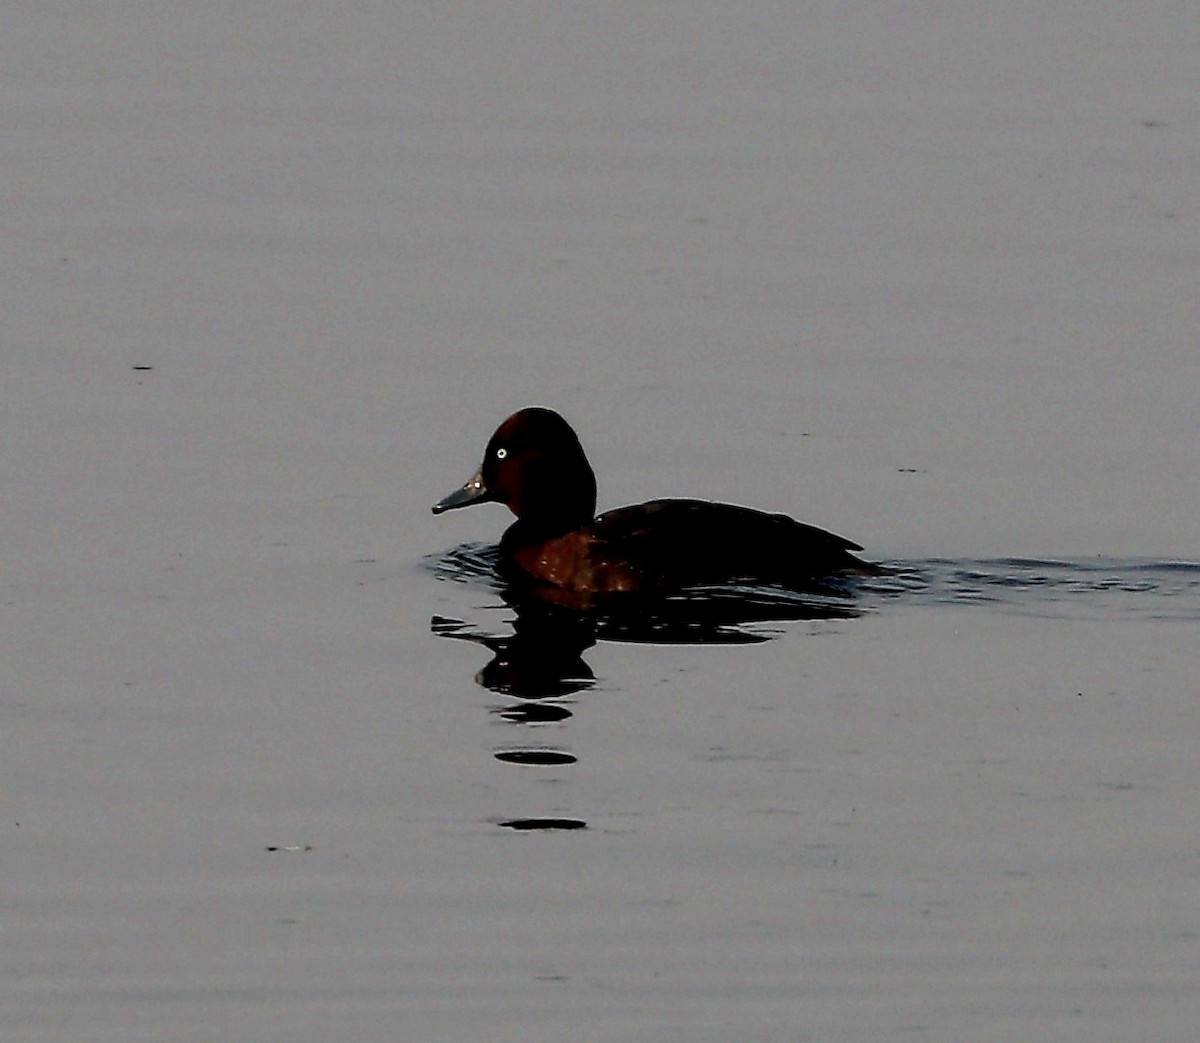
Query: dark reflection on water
x=533 y=713
x=541 y=659
x=539 y=664
x=542 y=656
x=526 y=824
x=544 y=758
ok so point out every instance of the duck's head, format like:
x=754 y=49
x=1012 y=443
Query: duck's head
x=535 y=465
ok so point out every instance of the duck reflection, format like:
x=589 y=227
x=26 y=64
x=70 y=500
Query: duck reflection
x=543 y=656
x=540 y=664
x=541 y=659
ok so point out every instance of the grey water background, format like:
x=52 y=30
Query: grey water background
x=922 y=275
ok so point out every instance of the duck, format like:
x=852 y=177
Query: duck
x=535 y=464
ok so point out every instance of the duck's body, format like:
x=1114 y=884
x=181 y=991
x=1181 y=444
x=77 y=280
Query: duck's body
x=535 y=464
x=669 y=544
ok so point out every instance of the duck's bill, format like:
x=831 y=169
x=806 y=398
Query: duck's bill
x=473 y=492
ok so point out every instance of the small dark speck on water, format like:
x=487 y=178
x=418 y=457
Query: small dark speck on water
x=142 y=369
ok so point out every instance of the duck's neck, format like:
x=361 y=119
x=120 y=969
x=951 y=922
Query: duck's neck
x=560 y=501
x=542 y=527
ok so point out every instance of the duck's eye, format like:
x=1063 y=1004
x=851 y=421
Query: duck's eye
x=501 y=453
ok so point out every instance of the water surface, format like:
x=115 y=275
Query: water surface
x=924 y=275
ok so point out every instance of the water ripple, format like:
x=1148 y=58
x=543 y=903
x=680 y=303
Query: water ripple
x=1108 y=588
x=1094 y=588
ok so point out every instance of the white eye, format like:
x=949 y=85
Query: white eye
x=501 y=453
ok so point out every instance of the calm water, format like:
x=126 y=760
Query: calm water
x=275 y=765
x=819 y=814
